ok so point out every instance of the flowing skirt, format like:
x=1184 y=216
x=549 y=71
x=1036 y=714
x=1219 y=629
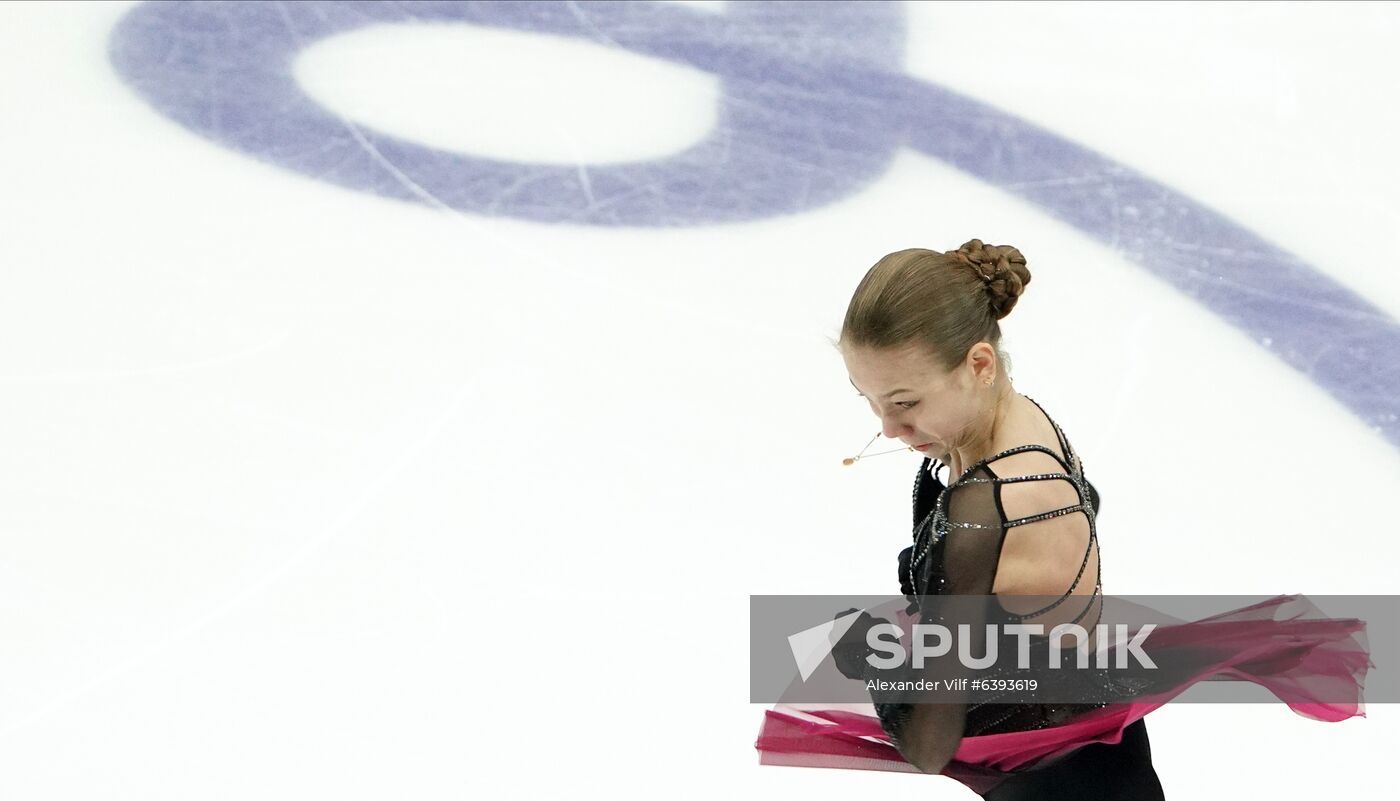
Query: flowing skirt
x=1314 y=664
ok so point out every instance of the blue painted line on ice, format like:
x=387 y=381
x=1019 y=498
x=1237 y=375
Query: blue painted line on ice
x=813 y=108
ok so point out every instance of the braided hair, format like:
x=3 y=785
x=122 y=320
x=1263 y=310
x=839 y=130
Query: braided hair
x=946 y=301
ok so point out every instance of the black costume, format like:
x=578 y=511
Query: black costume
x=1014 y=750
x=958 y=538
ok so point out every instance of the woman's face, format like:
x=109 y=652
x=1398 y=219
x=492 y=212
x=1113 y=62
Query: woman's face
x=916 y=401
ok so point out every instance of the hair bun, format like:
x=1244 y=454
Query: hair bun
x=1002 y=269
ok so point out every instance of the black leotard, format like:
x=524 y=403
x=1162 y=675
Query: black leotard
x=959 y=530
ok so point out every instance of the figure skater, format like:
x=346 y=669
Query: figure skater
x=1016 y=517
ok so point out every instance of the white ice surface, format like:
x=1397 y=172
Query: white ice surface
x=289 y=474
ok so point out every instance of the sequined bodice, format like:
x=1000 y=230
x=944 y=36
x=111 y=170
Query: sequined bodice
x=924 y=568
x=931 y=512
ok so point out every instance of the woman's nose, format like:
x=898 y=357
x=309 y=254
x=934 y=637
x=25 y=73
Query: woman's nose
x=890 y=428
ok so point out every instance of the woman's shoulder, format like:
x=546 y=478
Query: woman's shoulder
x=1033 y=470
x=1031 y=444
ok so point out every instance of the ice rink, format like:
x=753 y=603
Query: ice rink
x=402 y=400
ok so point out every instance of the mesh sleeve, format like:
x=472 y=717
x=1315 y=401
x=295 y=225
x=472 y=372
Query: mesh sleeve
x=971 y=542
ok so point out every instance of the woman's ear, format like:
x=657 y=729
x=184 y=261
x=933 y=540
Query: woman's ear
x=982 y=362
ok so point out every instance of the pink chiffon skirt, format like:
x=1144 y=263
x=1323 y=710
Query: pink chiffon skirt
x=1314 y=664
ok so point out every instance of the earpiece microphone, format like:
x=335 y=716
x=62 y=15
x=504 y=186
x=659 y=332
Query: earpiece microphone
x=850 y=460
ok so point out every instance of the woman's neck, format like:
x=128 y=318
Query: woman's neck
x=990 y=424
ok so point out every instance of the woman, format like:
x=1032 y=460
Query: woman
x=1016 y=520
